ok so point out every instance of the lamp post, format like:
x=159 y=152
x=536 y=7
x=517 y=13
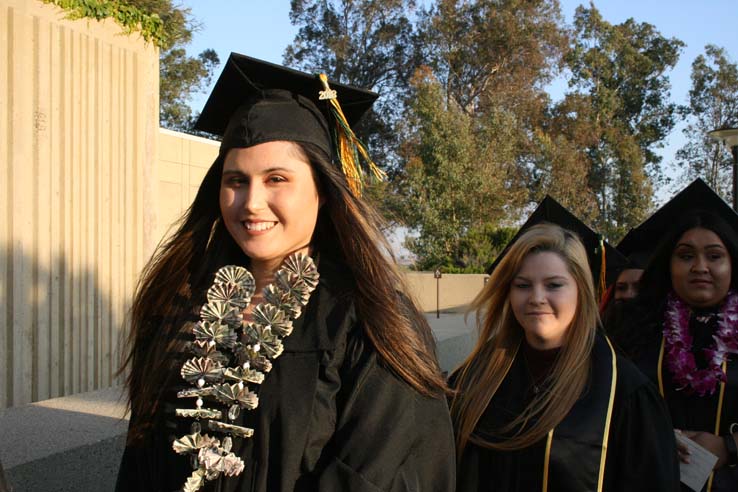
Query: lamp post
x=437 y=275
x=729 y=138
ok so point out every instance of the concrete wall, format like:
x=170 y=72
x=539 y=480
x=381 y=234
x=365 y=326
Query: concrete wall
x=78 y=133
x=183 y=161
x=455 y=291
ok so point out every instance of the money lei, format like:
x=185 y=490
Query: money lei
x=222 y=338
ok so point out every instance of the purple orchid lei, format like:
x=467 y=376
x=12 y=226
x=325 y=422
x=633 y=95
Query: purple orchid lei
x=678 y=345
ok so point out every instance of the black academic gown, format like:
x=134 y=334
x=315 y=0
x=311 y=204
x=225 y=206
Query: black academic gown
x=331 y=417
x=641 y=452
x=693 y=412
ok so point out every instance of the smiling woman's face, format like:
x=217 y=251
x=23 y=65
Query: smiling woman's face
x=543 y=298
x=269 y=200
x=701 y=268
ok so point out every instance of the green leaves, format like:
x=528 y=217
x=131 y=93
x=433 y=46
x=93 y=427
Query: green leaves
x=455 y=180
x=366 y=43
x=474 y=107
x=131 y=19
x=619 y=114
x=713 y=104
x=180 y=76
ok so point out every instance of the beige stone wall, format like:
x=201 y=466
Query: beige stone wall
x=183 y=161
x=453 y=291
x=78 y=132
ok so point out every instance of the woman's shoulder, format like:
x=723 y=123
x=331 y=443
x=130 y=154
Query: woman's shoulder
x=635 y=389
x=628 y=378
x=329 y=317
x=335 y=296
x=336 y=279
x=639 y=328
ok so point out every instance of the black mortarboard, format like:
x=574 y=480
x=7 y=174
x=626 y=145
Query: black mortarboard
x=549 y=210
x=255 y=101
x=697 y=196
x=637 y=260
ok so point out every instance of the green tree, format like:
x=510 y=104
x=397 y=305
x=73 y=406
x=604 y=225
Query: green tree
x=561 y=169
x=713 y=104
x=180 y=75
x=474 y=113
x=496 y=57
x=493 y=53
x=453 y=189
x=622 y=105
x=480 y=246
x=366 y=43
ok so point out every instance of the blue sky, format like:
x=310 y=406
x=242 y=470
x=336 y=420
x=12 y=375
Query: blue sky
x=262 y=29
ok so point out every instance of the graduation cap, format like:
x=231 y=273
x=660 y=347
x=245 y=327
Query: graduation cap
x=637 y=260
x=255 y=101
x=637 y=252
x=646 y=237
x=549 y=210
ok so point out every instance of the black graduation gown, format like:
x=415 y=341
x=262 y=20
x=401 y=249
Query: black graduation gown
x=641 y=454
x=694 y=412
x=330 y=418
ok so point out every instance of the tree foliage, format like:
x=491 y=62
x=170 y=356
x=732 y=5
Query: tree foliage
x=130 y=18
x=713 y=104
x=454 y=188
x=492 y=53
x=619 y=112
x=477 y=107
x=180 y=75
x=495 y=57
x=473 y=135
x=365 y=43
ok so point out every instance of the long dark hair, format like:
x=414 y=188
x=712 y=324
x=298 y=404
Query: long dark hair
x=643 y=323
x=173 y=283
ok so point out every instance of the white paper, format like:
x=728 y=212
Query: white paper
x=695 y=473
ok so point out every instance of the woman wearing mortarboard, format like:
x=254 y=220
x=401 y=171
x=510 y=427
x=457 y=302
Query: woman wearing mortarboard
x=272 y=348
x=683 y=333
x=543 y=402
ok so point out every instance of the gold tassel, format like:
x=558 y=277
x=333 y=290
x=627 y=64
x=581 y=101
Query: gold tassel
x=351 y=151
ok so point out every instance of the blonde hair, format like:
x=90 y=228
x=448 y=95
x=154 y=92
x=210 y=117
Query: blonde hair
x=481 y=374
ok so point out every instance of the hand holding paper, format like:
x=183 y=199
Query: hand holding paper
x=701 y=462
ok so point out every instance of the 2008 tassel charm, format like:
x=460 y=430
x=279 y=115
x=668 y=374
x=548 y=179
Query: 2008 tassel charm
x=229 y=353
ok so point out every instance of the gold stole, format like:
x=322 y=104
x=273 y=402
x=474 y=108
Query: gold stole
x=724 y=367
x=601 y=352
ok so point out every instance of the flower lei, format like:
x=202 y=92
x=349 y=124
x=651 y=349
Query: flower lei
x=229 y=353
x=678 y=345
